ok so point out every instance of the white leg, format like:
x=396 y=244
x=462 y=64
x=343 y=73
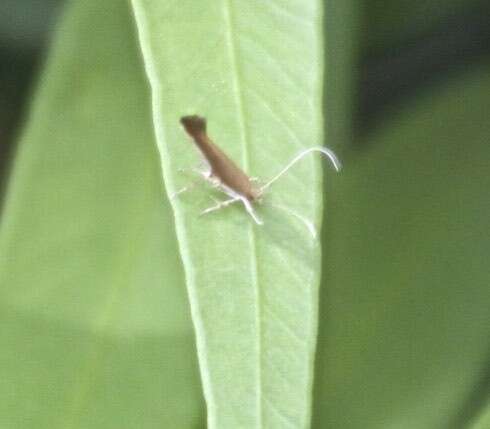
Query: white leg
x=184 y=189
x=234 y=197
x=203 y=175
x=220 y=205
x=250 y=210
x=238 y=197
x=201 y=170
x=246 y=203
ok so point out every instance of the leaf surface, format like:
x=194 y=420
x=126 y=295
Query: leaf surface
x=253 y=69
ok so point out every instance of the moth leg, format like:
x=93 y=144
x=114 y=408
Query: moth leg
x=245 y=201
x=200 y=170
x=220 y=205
x=185 y=188
x=213 y=181
x=203 y=173
x=203 y=165
x=250 y=210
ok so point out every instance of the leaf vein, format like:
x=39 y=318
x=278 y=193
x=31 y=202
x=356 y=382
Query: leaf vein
x=231 y=43
x=285 y=419
x=284 y=325
x=276 y=116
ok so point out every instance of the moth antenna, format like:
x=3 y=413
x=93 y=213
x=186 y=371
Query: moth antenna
x=306 y=222
x=327 y=152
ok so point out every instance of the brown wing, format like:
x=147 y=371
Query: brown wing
x=221 y=165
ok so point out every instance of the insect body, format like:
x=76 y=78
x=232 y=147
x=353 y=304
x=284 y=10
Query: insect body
x=221 y=167
x=233 y=181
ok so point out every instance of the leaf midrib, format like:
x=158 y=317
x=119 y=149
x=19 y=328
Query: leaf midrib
x=237 y=87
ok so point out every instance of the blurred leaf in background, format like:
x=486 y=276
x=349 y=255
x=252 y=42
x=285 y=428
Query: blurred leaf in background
x=24 y=27
x=404 y=326
x=95 y=323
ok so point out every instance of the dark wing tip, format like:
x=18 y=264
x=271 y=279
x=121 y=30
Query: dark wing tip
x=193 y=124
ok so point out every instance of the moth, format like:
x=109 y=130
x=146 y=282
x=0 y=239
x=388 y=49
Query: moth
x=225 y=175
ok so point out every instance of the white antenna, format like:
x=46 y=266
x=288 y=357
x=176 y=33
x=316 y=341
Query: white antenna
x=327 y=152
x=307 y=223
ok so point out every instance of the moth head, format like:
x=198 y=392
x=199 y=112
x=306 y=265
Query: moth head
x=194 y=125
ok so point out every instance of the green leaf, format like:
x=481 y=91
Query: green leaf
x=483 y=420
x=95 y=328
x=404 y=326
x=253 y=69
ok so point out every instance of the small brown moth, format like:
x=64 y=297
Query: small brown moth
x=223 y=173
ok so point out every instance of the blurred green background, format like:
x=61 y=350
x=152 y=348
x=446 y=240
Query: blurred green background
x=391 y=50
x=404 y=332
